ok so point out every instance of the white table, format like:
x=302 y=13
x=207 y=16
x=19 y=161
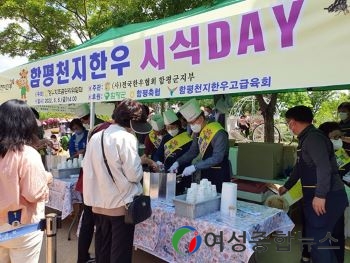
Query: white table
x=155 y=234
x=63 y=197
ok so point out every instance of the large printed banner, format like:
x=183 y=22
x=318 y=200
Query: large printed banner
x=250 y=46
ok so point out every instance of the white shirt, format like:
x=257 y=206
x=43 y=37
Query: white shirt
x=123 y=159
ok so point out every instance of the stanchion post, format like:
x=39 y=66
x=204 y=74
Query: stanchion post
x=51 y=242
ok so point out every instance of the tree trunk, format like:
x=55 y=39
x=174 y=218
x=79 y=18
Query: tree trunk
x=268 y=111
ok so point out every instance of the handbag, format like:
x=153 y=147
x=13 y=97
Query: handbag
x=140 y=208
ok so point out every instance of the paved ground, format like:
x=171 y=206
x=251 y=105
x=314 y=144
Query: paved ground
x=67 y=250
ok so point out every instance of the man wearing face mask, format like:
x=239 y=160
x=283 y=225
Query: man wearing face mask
x=324 y=197
x=210 y=143
x=83 y=113
x=173 y=146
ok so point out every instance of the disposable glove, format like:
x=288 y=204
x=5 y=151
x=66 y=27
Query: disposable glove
x=160 y=165
x=189 y=170
x=173 y=168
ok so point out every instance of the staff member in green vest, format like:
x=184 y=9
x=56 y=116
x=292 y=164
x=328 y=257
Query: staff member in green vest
x=210 y=142
x=174 y=144
x=155 y=137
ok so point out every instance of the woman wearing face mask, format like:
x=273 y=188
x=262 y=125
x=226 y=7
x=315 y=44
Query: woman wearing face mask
x=78 y=141
x=173 y=145
x=344 y=116
x=334 y=133
x=155 y=137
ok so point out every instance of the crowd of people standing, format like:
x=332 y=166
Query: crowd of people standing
x=190 y=142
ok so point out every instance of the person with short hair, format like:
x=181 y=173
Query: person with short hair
x=78 y=141
x=55 y=148
x=324 y=196
x=108 y=196
x=23 y=182
x=209 y=147
x=244 y=125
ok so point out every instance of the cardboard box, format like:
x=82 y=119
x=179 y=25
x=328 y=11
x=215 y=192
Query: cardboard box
x=289 y=156
x=260 y=160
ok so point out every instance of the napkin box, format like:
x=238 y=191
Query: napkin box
x=183 y=208
x=64 y=173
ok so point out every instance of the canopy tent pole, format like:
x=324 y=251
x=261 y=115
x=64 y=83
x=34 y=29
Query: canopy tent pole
x=92 y=114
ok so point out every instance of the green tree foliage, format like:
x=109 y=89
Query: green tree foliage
x=312 y=99
x=45 y=27
x=328 y=109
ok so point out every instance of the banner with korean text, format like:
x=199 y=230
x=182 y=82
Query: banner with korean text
x=249 y=46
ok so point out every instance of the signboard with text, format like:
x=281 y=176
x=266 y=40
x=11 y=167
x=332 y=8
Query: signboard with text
x=250 y=46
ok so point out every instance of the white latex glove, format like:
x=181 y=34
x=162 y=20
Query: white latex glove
x=173 y=168
x=160 y=165
x=189 y=170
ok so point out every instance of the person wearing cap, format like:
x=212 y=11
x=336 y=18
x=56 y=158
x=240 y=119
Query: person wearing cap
x=210 y=143
x=155 y=137
x=106 y=195
x=83 y=113
x=184 y=124
x=173 y=146
x=324 y=196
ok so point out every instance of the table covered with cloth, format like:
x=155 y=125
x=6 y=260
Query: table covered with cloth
x=216 y=231
x=62 y=195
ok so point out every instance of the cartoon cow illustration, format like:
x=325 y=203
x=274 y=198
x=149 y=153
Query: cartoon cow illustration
x=23 y=84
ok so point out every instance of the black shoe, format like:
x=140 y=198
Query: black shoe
x=90 y=260
x=305 y=260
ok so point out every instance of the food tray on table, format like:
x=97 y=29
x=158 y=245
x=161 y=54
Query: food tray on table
x=194 y=210
x=64 y=173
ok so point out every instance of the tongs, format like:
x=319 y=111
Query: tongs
x=179 y=178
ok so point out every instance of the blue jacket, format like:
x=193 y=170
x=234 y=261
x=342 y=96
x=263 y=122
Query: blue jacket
x=81 y=145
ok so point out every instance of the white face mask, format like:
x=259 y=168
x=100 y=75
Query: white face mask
x=86 y=126
x=196 y=128
x=290 y=129
x=173 y=132
x=206 y=114
x=38 y=123
x=160 y=137
x=343 y=116
x=337 y=144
